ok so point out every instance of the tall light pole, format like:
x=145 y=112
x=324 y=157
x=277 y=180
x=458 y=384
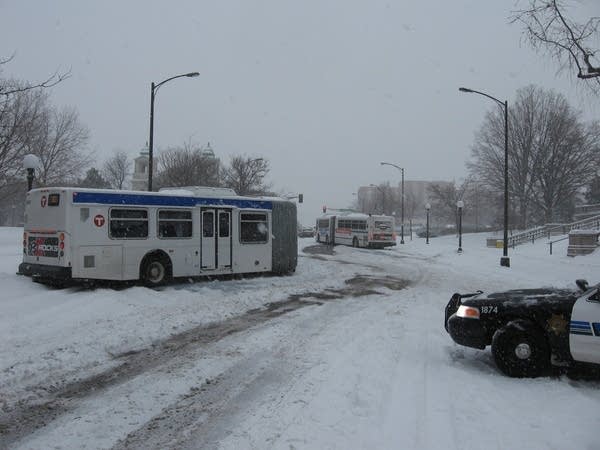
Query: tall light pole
x=153 y=89
x=505 y=260
x=401 y=169
x=427 y=208
x=459 y=205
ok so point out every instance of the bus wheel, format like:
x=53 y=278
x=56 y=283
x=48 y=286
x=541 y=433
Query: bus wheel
x=155 y=271
x=327 y=239
x=355 y=242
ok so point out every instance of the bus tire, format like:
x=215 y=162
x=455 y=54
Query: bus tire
x=327 y=239
x=355 y=242
x=156 y=269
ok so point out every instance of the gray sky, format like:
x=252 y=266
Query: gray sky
x=324 y=89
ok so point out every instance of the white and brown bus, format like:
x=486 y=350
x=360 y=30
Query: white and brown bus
x=357 y=230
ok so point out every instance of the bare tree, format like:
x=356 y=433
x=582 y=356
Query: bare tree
x=444 y=198
x=187 y=166
x=574 y=45
x=9 y=88
x=19 y=116
x=93 y=179
x=246 y=175
x=59 y=140
x=551 y=154
x=116 y=169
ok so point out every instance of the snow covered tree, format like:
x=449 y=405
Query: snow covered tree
x=246 y=175
x=93 y=179
x=188 y=165
x=116 y=169
x=552 y=155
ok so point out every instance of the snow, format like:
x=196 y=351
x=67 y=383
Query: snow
x=360 y=371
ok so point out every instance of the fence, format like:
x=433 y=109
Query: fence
x=547 y=231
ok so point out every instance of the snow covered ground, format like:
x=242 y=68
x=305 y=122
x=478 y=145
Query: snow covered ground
x=355 y=356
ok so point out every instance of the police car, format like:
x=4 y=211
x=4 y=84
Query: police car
x=530 y=330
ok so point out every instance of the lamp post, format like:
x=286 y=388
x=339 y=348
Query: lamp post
x=30 y=163
x=401 y=169
x=459 y=205
x=427 y=208
x=153 y=90
x=504 y=260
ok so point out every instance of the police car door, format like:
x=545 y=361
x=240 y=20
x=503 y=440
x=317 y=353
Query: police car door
x=584 y=335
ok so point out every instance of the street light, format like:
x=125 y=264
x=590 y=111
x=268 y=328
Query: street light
x=505 y=260
x=427 y=208
x=459 y=205
x=31 y=162
x=401 y=169
x=153 y=90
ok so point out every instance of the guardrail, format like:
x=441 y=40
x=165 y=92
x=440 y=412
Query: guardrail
x=557 y=240
x=546 y=231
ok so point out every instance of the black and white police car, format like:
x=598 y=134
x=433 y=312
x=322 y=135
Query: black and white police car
x=530 y=330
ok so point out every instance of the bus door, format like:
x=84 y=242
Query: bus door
x=215 y=243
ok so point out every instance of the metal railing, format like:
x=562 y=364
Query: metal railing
x=556 y=240
x=547 y=231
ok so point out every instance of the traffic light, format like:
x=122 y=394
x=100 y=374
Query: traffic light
x=324 y=209
x=300 y=198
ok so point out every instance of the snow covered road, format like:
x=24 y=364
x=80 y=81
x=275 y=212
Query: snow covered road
x=350 y=352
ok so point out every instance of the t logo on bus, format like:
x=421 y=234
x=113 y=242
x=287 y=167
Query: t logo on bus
x=99 y=220
x=43 y=201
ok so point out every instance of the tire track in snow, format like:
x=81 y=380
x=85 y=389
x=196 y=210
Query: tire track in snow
x=25 y=417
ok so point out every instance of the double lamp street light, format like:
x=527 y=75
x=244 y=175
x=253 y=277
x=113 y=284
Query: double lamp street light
x=505 y=260
x=153 y=90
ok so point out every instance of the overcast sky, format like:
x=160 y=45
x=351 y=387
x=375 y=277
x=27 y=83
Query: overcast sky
x=323 y=89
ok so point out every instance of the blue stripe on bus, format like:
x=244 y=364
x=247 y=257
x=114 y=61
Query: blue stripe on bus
x=107 y=198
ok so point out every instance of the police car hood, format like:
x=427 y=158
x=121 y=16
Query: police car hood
x=524 y=297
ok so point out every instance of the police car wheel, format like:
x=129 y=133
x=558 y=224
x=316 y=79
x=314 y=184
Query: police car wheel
x=521 y=350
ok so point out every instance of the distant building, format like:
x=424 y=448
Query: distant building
x=139 y=179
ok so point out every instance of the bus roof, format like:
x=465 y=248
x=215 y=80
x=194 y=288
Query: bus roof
x=175 y=197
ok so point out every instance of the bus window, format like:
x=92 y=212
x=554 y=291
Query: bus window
x=254 y=228
x=128 y=223
x=381 y=225
x=53 y=199
x=174 y=224
x=208 y=225
x=223 y=224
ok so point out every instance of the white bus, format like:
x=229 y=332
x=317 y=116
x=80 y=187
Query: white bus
x=95 y=234
x=357 y=230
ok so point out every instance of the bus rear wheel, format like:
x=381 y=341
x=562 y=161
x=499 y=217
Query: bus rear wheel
x=156 y=271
